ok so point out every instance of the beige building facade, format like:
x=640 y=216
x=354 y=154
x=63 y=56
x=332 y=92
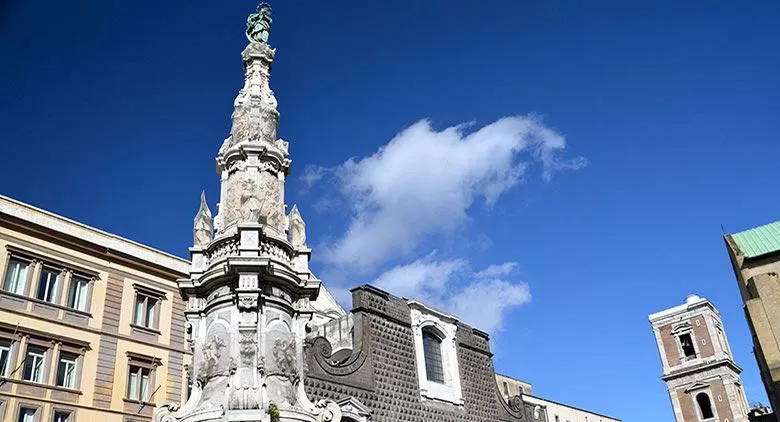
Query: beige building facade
x=510 y=387
x=554 y=411
x=755 y=258
x=698 y=367
x=91 y=325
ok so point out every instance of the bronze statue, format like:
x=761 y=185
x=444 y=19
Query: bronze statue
x=258 y=24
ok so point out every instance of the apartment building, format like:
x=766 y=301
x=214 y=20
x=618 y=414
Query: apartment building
x=92 y=325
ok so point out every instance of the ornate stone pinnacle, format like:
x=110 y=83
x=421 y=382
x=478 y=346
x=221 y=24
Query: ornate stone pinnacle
x=204 y=228
x=258 y=24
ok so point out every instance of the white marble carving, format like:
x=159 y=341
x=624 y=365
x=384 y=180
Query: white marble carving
x=203 y=223
x=247 y=305
x=297 y=228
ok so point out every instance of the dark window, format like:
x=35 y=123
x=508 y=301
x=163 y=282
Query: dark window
x=77 y=295
x=5 y=352
x=687 y=346
x=433 y=363
x=66 y=370
x=506 y=389
x=138 y=383
x=27 y=414
x=33 y=364
x=60 y=416
x=144 y=314
x=705 y=407
x=16 y=276
x=47 y=284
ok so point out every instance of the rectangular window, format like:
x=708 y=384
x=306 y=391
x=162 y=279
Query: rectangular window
x=16 y=276
x=506 y=389
x=5 y=353
x=47 y=284
x=33 y=364
x=144 y=311
x=60 y=416
x=138 y=383
x=687 y=346
x=26 y=414
x=66 y=370
x=77 y=295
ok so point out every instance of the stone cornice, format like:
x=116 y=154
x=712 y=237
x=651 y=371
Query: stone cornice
x=64 y=230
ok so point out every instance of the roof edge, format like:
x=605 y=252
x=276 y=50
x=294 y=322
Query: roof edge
x=57 y=223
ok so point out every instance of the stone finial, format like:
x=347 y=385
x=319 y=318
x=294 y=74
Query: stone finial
x=203 y=223
x=258 y=24
x=297 y=228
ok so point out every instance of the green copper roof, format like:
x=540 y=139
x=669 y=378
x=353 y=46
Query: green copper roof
x=759 y=241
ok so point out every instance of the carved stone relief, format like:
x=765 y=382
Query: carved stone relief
x=248 y=347
x=214 y=358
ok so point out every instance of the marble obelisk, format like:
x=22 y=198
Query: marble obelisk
x=247 y=301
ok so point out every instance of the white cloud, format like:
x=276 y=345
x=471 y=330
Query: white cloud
x=500 y=270
x=423 y=279
x=312 y=175
x=483 y=304
x=480 y=298
x=424 y=181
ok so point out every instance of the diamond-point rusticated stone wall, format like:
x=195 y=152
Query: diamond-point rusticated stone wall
x=381 y=372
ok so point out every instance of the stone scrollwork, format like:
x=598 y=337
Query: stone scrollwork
x=516 y=403
x=327 y=411
x=236 y=165
x=165 y=413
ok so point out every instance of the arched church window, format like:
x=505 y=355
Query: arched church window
x=705 y=406
x=434 y=367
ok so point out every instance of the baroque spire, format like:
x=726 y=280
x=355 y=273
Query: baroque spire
x=249 y=290
x=253 y=161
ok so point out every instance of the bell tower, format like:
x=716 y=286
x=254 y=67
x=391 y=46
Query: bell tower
x=250 y=290
x=698 y=367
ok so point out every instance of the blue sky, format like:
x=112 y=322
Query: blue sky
x=113 y=111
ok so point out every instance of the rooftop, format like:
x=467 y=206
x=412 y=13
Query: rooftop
x=690 y=302
x=758 y=241
x=33 y=216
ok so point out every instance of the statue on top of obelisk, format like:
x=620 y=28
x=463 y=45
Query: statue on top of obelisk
x=258 y=24
x=253 y=161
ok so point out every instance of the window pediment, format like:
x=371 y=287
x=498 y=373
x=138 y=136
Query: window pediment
x=681 y=327
x=696 y=386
